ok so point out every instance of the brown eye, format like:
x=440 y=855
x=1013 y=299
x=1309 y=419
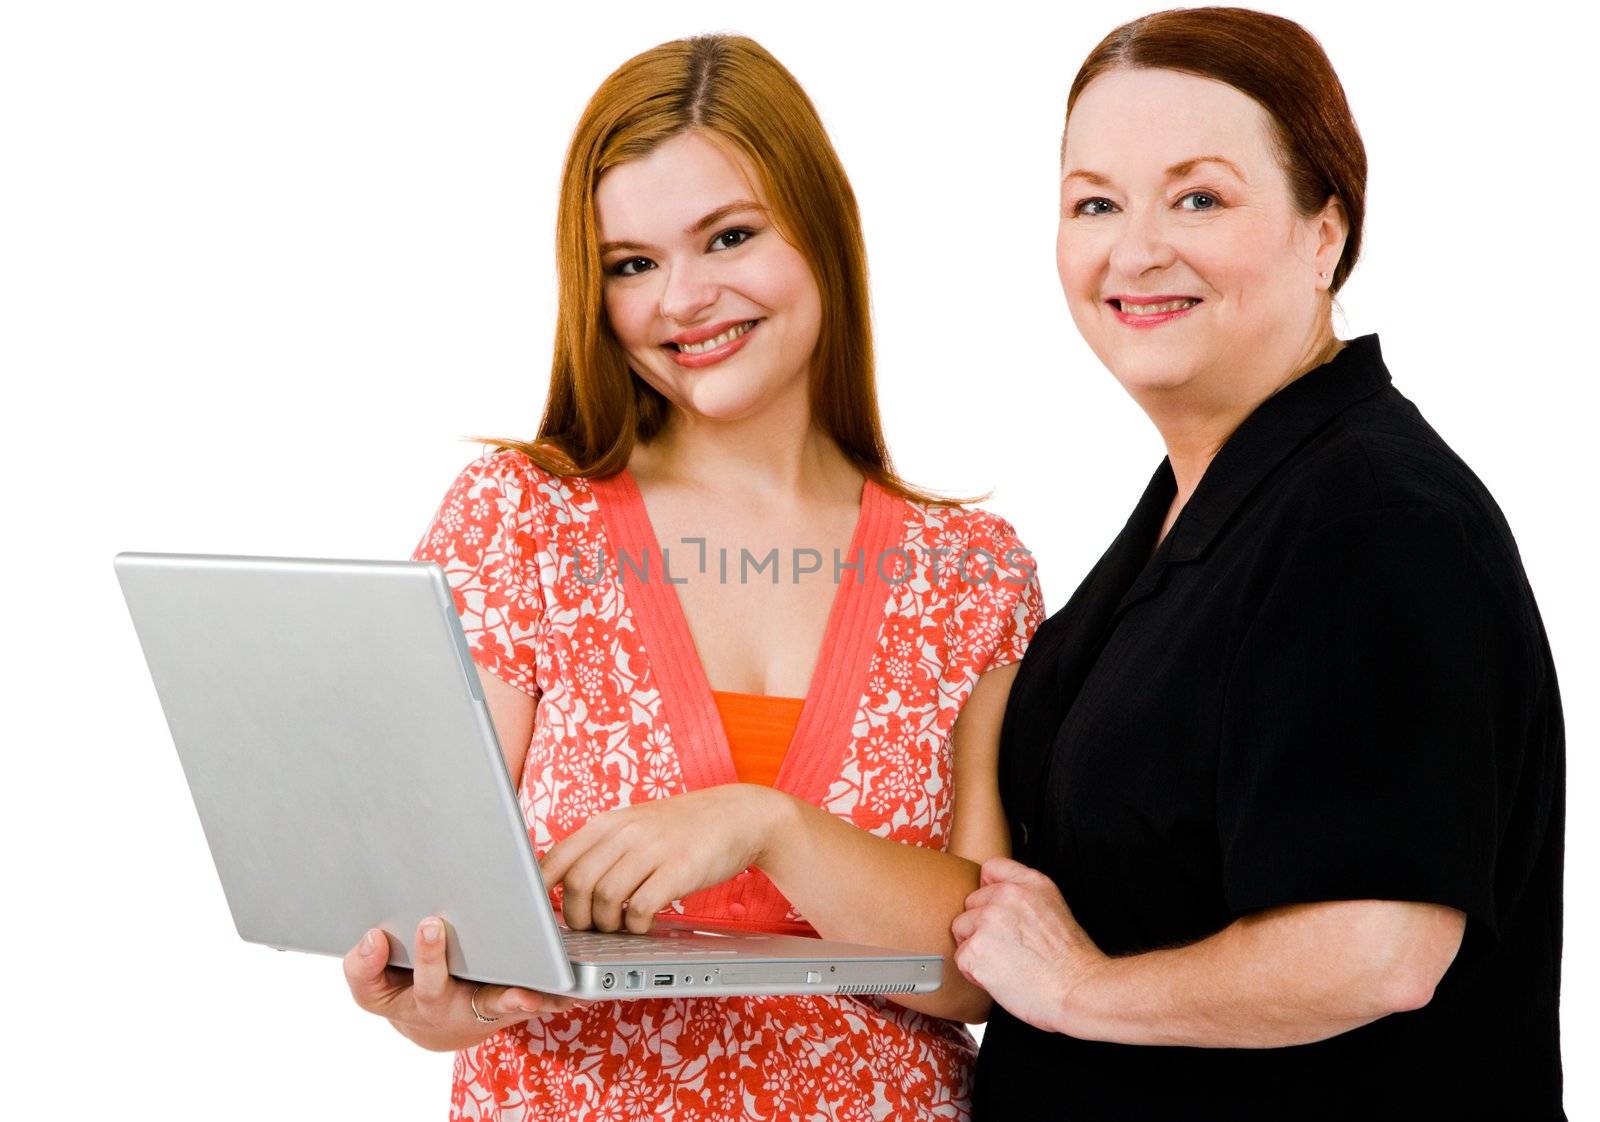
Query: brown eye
x=739 y=236
x=626 y=267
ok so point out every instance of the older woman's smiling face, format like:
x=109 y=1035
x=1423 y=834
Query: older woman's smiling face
x=1170 y=190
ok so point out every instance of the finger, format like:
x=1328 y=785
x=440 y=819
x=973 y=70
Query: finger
x=981 y=896
x=578 y=884
x=999 y=869
x=648 y=899
x=366 y=971
x=966 y=961
x=566 y=852
x=520 y=1003
x=499 y=1003
x=614 y=891
x=431 y=981
x=964 y=925
x=558 y=859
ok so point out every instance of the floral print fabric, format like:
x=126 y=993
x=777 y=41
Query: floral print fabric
x=546 y=605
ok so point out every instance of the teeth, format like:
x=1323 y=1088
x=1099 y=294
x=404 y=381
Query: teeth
x=727 y=336
x=1156 y=309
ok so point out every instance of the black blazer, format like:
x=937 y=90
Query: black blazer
x=1330 y=682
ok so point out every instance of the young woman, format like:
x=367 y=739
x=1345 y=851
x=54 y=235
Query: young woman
x=741 y=671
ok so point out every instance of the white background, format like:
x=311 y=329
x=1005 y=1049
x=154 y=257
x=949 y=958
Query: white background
x=262 y=266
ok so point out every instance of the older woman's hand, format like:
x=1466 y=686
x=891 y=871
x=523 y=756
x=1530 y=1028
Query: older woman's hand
x=623 y=866
x=1018 y=940
x=425 y=1004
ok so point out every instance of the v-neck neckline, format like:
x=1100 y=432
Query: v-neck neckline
x=838 y=673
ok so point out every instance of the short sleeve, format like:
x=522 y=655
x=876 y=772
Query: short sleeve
x=1358 y=756
x=1001 y=601
x=484 y=537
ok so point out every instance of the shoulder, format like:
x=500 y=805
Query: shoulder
x=1380 y=463
x=965 y=527
x=508 y=469
x=1379 y=506
x=510 y=479
x=975 y=559
x=502 y=500
x=970 y=551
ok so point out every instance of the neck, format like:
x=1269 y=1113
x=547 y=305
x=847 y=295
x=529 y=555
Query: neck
x=774 y=456
x=1195 y=421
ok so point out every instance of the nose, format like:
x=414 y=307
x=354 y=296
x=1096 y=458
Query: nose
x=689 y=291
x=1141 y=243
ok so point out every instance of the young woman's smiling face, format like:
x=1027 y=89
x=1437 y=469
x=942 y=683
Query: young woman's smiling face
x=713 y=307
x=1146 y=214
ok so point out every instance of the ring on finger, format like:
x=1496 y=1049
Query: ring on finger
x=473 y=1001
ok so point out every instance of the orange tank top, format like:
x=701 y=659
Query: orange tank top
x=759 y=729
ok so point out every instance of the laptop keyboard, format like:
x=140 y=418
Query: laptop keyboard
x=626 y=942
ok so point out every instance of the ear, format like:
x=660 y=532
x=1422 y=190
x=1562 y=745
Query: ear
x=1332 y=228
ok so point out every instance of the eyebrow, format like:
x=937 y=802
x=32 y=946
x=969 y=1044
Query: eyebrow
x=707 y=221
x=1181 y=168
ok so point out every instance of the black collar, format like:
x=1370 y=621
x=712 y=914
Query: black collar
x=1267 y=437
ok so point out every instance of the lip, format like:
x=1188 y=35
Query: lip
x=1137 y=321
x=1125 y=298
x=700 y=335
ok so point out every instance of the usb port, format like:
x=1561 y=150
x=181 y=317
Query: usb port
x=662 y=980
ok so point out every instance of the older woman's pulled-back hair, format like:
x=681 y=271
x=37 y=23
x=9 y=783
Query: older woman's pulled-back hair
x=1283 y=67
x=731 y=90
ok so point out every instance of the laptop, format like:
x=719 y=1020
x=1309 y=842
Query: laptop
x=332 y=729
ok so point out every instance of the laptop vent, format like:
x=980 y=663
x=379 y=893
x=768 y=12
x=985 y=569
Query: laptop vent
x=903 y=987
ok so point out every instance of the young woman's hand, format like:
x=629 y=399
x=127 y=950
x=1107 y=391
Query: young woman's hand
x=426 y=1004
x=623 y=866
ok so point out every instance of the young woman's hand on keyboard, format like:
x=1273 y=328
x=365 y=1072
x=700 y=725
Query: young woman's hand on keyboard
x=429 y=1007
x=621 y=867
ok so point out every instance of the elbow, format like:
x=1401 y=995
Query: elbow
x=961 y=1002
x=974 y=1009
x=1405 y=989
x=1413 y=960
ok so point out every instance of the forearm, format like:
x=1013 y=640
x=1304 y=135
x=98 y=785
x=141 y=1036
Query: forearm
x=1285 y=977
x=857 y=887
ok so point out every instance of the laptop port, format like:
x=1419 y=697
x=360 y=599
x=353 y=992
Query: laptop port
x=662 y=980
x=635 y=979
x=608 y=981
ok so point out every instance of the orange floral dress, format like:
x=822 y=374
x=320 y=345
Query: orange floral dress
x=564 y=592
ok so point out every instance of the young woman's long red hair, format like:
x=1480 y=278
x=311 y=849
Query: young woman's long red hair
x=735 y=93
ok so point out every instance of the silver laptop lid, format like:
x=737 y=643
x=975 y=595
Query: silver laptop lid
x=331 y=727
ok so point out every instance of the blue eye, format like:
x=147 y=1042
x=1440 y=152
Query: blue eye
x=1077 y=208
x=624 y=268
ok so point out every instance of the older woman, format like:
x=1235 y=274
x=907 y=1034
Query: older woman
x=1285 y=777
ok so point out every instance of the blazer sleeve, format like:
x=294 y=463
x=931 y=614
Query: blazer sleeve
x=1359 y=757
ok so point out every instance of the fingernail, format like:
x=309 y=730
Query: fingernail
x=430 y=931
x=368 y=944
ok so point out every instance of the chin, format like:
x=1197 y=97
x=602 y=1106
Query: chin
x=1150 y=371
x=727 y=400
